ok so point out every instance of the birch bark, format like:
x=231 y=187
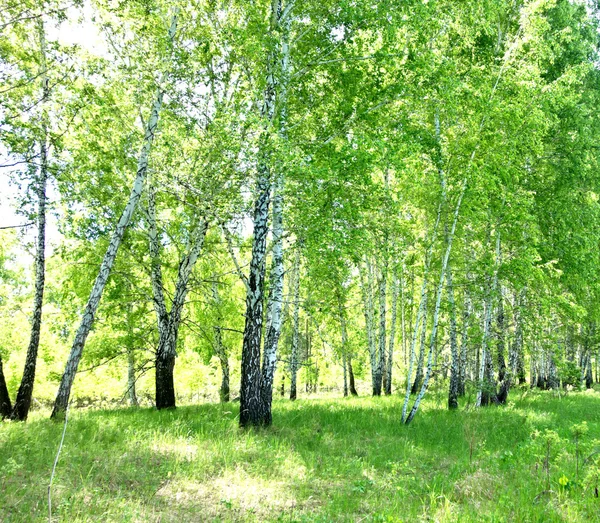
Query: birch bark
x=438 y=301
x=64 y=391
x=381 y=353
x=25 y=392
x=167 y=342
x=296 y=328
x=455 y=363
x=218 y=346
x=253 y=411
x=390 y=355
x=275 y=304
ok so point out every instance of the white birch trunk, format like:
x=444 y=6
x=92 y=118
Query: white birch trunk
x=421 y=311
x=367 y=297
x=486 y=365
x=218 y=346
x=25 y=392
x=252 y=407
x=133 y=401
x=390 y=356
x=438 y=301
x=381 y=355
x=275 y=305
x=342 y=317
x=455 y=363
x=296 y=328
x=64 y=391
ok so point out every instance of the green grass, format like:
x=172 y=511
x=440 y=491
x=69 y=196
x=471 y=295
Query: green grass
x=323 y=460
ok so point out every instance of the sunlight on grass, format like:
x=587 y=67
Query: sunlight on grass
x=323 y=460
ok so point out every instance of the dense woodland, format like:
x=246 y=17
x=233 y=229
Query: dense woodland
x=233 y=199
x=256 y=211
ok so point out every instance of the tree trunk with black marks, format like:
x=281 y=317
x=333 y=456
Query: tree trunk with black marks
x=167 y=344
x=438 y=301
x=296 y=330
x=131 y=393
x=25 y=392
x=351 y=380
x=346 y=358
x=253 y=409
x=503 y=374
x=390 y=355
x=455 y=361
x=64 y=391
x=416 y=386
x=366 y=287
x=275 y=304
x=486 y=390
x=381 y=353
x=464 y=343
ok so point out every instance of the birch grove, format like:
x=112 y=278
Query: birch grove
x=341 y=200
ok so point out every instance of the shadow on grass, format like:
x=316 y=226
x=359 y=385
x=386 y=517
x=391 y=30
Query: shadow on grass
x=321 y=459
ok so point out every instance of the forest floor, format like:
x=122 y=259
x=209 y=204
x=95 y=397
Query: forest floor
x=323 y=460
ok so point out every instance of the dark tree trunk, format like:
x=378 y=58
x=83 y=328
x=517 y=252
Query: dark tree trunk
x=224 y=392
x=351 y=378
x=165 y=389
x=5 y=406
x=588 y=375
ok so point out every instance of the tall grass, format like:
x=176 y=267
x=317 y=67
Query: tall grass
x=323 y=460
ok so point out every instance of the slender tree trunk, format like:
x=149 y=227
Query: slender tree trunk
x=296 y=331
x=5 y=406
x=484 y=385
x=416 y=386
x=346 y=357
x=367 y=297
x=503 y=374
x=64 y=391
x=455 y=363
x=25 y=392
x=420 y=319
x=381 y=356
x=519 y=345
x=390 y=356
x=345 y=367
x=133 y=401
x=224 y=389
x=403 y=314
x=487 y=387
x=351 y=381
x=218 y=346
x=464 y=341
x=438 y=301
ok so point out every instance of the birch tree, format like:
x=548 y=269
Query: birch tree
x=25 y=392
x=64 y=391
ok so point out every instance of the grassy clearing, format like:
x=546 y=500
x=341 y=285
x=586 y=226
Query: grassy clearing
x=324 y=460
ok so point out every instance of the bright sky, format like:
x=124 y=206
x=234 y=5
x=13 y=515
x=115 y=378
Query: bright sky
x=78 y=30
